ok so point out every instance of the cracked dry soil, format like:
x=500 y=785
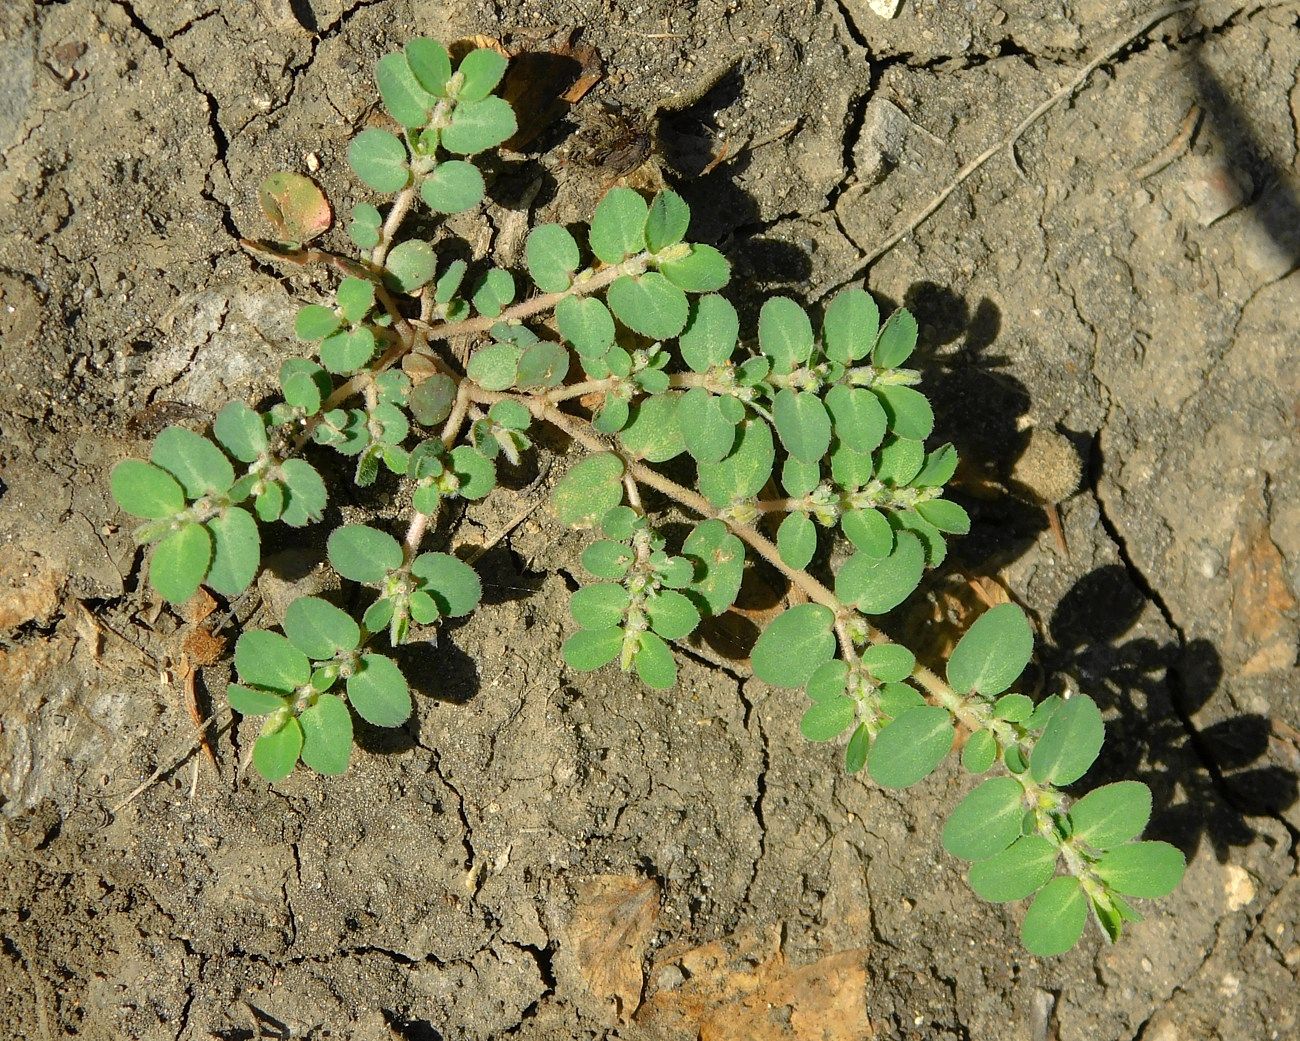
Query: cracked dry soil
x=1126 y=276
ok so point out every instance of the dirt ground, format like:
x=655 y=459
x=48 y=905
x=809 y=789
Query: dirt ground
x=1125 y=274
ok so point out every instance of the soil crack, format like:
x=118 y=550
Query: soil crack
x=1178 y=687
x=219 y=139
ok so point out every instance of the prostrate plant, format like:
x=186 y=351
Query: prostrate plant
x=819 y=428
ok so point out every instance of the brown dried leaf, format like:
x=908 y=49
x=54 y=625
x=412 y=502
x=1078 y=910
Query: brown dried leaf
x=202 y=647
x=743 y=989
x=608 y=930
x=295 y=207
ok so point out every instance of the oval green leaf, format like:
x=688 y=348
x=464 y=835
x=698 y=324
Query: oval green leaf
x=987 y=821
x=378 y=691
x=908 y=749
x=993 y=652
x=794 y=645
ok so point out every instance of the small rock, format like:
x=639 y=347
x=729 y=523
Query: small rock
x=1238 y=887
x=882 y=141
x=1215 y=189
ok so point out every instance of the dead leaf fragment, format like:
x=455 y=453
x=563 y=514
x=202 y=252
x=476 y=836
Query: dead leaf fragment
x=608 y=930
x=1262 y=600
x=29 y=587
x=743 y=989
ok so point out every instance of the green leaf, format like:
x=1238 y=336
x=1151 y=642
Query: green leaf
x=1055 y=920
x=908 y=411
x=599 y=606
x=347 y=351
x=276 y=754
x=1143 y=869
x=319 y=629
x=249 y=702
x=1043 y=712
x=326 y=735
x=649 y=304
x=449 y=282
x=180 y=562
x=305 y=384
x=363 y=229
x=980 y=752
x=482 y=69
x=743 y=473
x=306 y=493
x=908 y=749
x=618 y=225
x=987 y=821
x=410 y=265
x=855 y=755
x=236 y=551
x=849 y=326
x=802 y=423
x=406 y=101
x=897 y=698
x=707 y=432
x=858 y=417
x=672 y=615
x=702 y=270
x=875 y=585
x=430 y=64
x=454 y=186
x=1069 y=744
x=667 y=221
x=196 y=462
x=721 y=559
x=993 y=652
x=710 y=335
x=945 y=515
x=799 y=478
x=850 y=469
x=552 y=257
x=827 y=720
x=654 y=433
x=363 y=554
x=588 y=491
x=829 y=681
x=785 y=334
x=897 y=340
x=432 y=400
x=494 y=293
x=899 y=460
x=268 y=660
x=889 y=662
x=495 y=367
x=586 y=323
x=378 y=691
x=241 y=432
x=380 y=160
x=143 y=490
x=607 y=559
x=654 y=663
x=794 y=645
x=1013 y=707
x=869 y=531
x=355 y=296
x=1111 y=814
x=475 y=471
x=939 y=467
x=796 y=540
x=453 y=584
x=590 y=649
x=1021 y=869
x=543 y=365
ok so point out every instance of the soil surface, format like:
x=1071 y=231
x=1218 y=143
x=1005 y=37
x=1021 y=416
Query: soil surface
x=540 y=854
